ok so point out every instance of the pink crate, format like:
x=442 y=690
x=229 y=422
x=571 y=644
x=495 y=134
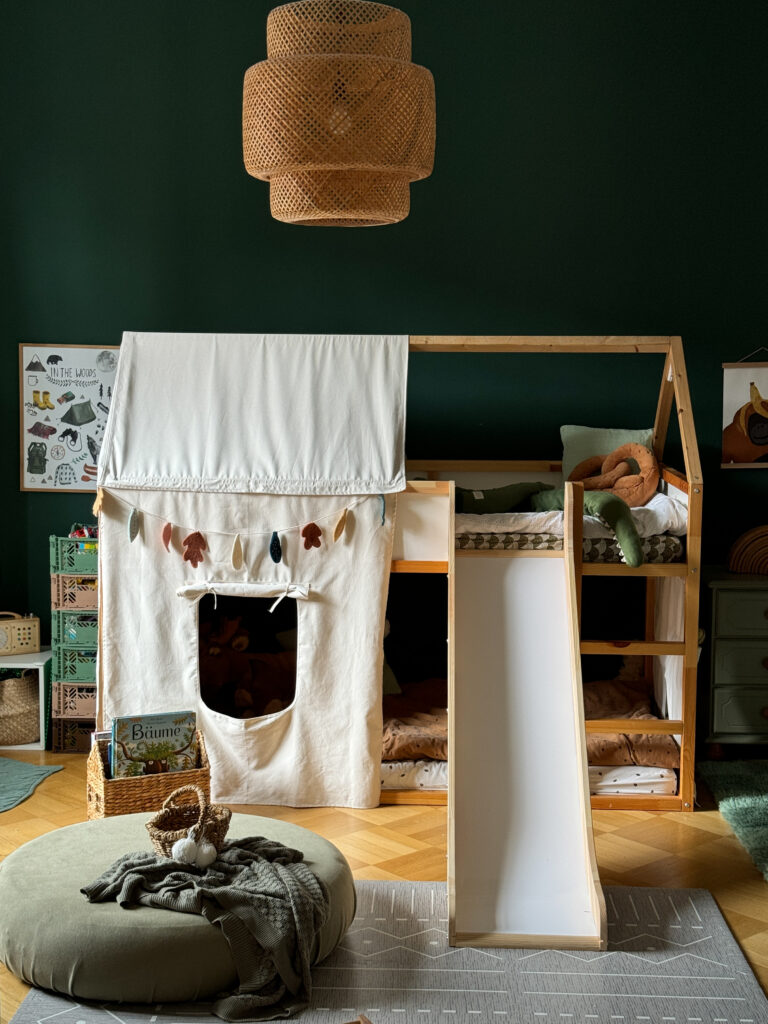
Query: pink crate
x=73 y=700
x=74 y=592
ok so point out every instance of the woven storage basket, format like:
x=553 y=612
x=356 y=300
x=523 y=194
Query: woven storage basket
x=174 y=820
x=19 y=710
x=107 y=797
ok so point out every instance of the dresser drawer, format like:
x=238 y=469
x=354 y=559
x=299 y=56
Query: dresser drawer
x=740 y=710
x=740 y=662
x=741 y=612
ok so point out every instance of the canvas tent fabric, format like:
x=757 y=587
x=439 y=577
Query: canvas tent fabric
x=324 y=749
x=258 y=413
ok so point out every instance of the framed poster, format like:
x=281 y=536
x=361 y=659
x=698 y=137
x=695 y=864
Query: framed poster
x=745 y=416
x=64 y=396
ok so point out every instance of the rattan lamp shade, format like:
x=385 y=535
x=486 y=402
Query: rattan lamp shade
x=337 y=119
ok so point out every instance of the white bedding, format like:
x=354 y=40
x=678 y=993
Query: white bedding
x=621 y=779
x=414 y=775
x=662 y=514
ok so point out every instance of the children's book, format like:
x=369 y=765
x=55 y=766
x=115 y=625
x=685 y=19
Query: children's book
x=153 y=744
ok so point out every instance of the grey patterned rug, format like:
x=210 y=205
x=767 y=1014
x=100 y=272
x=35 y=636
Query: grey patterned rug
x=671 y=960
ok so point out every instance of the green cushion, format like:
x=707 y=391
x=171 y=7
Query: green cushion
x=581 y=443
x=496 y=499
x=609 y=507
x=51 y=937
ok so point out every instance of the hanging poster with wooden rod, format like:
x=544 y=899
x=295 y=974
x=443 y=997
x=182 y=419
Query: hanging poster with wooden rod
x=64 y=396
x=745 y=416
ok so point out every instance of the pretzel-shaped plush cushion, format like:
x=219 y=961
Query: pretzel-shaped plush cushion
x=613 y=473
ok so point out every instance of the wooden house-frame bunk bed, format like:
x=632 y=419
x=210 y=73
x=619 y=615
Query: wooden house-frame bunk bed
x=438 y=555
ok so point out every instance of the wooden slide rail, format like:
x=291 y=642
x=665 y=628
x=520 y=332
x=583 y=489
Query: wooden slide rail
x=673 y=393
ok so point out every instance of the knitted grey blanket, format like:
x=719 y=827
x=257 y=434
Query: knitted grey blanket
x=268 y=904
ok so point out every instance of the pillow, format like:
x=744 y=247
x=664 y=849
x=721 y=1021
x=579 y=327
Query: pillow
x=581 y=443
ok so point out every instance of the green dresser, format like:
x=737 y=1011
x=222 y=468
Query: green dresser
x=738 y=706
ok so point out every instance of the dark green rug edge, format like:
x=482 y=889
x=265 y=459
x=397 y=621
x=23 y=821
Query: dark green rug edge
x=740 y=789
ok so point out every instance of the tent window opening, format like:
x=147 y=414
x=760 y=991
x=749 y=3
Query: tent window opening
x=247 y=654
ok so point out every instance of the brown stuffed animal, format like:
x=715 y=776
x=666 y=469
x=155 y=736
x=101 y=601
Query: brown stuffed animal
x=613 y=473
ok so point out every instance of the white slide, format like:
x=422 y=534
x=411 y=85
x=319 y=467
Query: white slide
x=522 y=868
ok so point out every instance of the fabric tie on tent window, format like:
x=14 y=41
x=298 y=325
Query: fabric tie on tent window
x=277 y=601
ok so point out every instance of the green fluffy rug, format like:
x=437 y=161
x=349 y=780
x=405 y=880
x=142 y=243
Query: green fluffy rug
x=741 y=791
x=19 y=779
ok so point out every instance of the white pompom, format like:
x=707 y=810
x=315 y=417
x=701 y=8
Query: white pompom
x=206 y=854
x=184 y=850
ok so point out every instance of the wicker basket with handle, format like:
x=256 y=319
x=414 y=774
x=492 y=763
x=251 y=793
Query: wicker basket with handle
x=175 y=818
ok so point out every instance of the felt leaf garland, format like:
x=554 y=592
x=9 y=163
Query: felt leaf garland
x=167 y=534
x=134 y=524
x=341 y=523
x=311 y=534
x=237 y=553
x=194 y=546
x=275 y=550
x=98 y=502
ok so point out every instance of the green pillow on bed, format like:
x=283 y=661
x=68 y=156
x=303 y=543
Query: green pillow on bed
x=476 y=501
x=581 y=443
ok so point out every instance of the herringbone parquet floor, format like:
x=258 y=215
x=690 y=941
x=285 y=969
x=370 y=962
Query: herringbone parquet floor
x=406 y=842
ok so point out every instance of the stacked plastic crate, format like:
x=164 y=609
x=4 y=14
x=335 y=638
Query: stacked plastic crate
x=74 y=641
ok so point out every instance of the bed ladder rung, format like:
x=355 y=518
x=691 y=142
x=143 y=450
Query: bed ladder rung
x=649 y=647
x=662 y=726
x=649 y=569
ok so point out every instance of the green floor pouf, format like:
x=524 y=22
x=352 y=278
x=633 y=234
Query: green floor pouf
x=52 y=938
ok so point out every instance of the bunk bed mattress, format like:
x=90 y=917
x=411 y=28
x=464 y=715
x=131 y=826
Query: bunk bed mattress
x=616 y=780
x=661 y=548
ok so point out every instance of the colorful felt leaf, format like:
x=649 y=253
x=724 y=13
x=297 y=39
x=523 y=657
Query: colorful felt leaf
x=134 y=524
x=311 y=534
x=194 y=546
x=237 y=553
x=275 y=550
x=341 y=523
x=167 y=535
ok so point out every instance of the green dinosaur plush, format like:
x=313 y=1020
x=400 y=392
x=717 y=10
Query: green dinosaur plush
x=476 y=501
x=614 y=510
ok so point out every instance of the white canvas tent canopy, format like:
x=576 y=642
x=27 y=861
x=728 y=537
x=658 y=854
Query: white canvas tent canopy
x=250 y=436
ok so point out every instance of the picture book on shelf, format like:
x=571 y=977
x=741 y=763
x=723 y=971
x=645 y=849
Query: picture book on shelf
x=153 y=744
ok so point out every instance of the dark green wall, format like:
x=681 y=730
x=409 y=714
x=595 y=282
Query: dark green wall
x=600 y=168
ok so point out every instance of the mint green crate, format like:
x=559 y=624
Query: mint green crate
x=75 y=629
x=74 y=554
x=74 y=665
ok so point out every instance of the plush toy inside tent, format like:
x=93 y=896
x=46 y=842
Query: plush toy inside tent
x=248 y=490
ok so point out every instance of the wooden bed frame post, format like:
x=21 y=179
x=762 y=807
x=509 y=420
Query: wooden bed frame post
x=693 y=577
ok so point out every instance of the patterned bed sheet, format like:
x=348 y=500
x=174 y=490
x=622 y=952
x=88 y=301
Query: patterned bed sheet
x=660 y=548
x=620 y=779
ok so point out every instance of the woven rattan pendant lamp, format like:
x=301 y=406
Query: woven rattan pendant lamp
x=337 y=119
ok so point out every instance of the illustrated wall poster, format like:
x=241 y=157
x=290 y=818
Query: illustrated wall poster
x=65 y=395
x=745 y=416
